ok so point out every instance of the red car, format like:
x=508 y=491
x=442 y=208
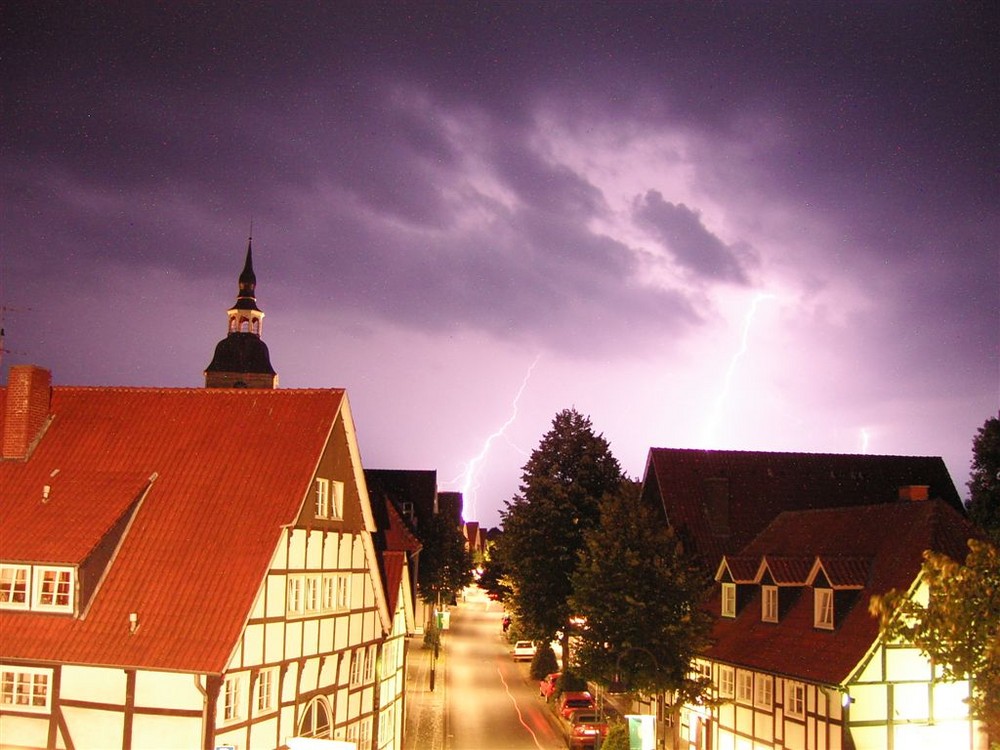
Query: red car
x=574 y=700
x=547 y=686
x=585 y=731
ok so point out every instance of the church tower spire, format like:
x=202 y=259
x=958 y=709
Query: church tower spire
x=241 y=359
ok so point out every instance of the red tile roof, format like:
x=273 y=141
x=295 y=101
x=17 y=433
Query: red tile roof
x=719 y=500
x=852 y=544
x=224 y=469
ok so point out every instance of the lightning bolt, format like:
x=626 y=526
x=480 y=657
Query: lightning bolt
x=467 y=479
x=865 y=439
x=716 y=415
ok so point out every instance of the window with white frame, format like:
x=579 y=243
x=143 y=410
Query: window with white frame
x=53 y=588
x=769 y=603
x=232 y=688
x=795 y=699
x=365 y=738
x=266 y=681
x=823 y=608
x=312 y=593
x=370 y=655
x=357 y=657
x=764 y=693
x=729 y=600
x=343 y=591
x=322 y=498
x=329 y=592
x=294 y=600
x=14 y=582
x=727 y=681
x=744 y=686
x=25 y=689
x=386 y=724
x=336 y=499
x=316 y=719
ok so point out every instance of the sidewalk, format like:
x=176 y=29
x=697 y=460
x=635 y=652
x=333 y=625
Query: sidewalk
x=425 y=708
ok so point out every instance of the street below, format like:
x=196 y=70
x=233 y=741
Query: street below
x=491 y=703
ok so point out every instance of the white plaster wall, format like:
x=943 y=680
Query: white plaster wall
x=91 y=728
x=167 y=690
x=30 y=731
x=164 y=733
x=95 y=684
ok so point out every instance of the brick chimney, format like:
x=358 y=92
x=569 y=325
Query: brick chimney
x=914 y=493
x=29 y=390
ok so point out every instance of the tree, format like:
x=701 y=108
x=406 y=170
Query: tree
x=493 y=579
x=445 y=564
x=640 y=596
x=984 y=483
x=562 y=484
x=959 y=626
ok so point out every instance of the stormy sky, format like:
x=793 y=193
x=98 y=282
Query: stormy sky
x=760 y=226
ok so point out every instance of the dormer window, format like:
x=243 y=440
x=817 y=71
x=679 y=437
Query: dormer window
x=14 y=586
x=769 y=603
x=46 y=588
x=329 y=499
x=823 y=608
x=729 y=600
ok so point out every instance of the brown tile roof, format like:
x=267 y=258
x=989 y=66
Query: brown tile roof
x=393 y=564
x=852 y=545
x=224 y=469
x=786 y=571
x=719 y=500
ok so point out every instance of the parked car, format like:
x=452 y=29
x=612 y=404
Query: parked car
x=573 y=700
x=547 y=685
x=585 y=730
x=523 y=651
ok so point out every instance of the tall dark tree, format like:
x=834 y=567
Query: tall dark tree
x=562 y=484
x=640 y=596
x=984 y=483
x=445 y=564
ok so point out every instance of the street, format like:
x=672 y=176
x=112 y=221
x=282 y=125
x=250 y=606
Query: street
x=491 y=703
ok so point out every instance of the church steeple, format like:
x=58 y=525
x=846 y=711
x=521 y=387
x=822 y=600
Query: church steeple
x=241 y=359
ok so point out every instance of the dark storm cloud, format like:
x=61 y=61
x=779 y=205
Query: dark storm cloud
x=682 y=232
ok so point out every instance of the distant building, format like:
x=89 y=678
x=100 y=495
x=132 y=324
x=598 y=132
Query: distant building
x=796 y=660
x=242 y=359
x=717 y=501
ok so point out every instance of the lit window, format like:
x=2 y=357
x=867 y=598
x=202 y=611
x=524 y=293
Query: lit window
x=14 y=586
x=744 y=686
x=727 y=682
x=294 y=604
x=795 y=699
x=764 y=697
x=265 y=689
x=322 y=498
x=231 y=698
x=54 y=588
x=769 y=604
x=25 y=689
x=823 y=608
x=729 y=600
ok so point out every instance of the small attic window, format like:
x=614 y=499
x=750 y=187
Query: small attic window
x=53 y=589
x=42 y=588
x=729 y=600
x=823 y=608
x=769 y=603
x=14 y=586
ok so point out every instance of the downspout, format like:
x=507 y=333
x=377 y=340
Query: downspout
x=210 y=695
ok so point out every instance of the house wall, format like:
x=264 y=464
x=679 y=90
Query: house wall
x=100 y=707
x=741 y=723
x=392 y=676
x=308 y=649
x=900 y=702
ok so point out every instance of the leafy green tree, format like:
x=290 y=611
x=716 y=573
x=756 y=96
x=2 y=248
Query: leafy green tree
x=562 y=484
x=617 y=738
x=958 y=627
x=445 y=566
x=493 y=579
x=640 y=596
x=984 y=482
x=543 y=662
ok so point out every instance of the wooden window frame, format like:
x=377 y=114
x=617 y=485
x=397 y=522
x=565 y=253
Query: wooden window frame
x=15 y=590
x=823 y=608
x=729 y=600
x=769 y=603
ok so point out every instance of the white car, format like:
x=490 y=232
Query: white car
x=523 y=651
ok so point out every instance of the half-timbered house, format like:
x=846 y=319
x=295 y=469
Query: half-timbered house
x=190 y=568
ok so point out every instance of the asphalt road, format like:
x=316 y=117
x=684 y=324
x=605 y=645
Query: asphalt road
x=491 y=702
